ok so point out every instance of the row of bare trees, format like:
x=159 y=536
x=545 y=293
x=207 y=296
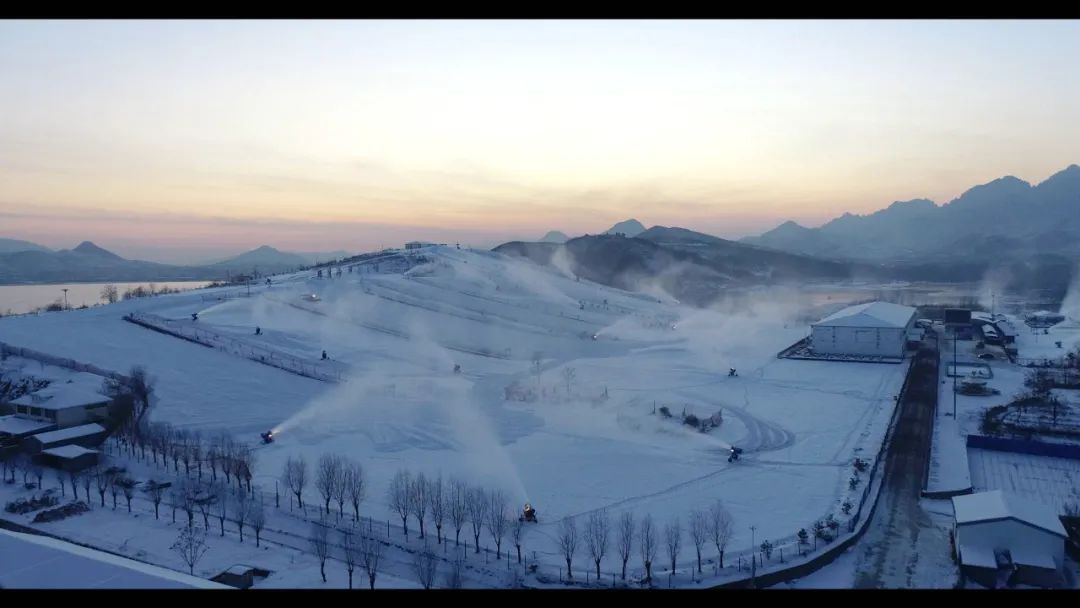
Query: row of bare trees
x=357 y=549
x=457 y=503
x=337 y=479
x=714 y=524
x=213 y=456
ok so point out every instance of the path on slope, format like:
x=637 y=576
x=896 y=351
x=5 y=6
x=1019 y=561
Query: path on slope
x=902 y=548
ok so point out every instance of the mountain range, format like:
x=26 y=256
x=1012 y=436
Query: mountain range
x=25 y=262
x=1005 y=220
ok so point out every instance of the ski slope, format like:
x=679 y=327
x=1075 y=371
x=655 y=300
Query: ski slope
x=396 y=327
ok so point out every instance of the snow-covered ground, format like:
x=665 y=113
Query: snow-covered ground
x=589 y=443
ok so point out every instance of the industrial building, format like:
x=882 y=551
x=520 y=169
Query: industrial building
x=86 y=435
x=1002 y=539
x=874 y=329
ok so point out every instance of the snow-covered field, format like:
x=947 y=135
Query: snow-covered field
x=590 y=441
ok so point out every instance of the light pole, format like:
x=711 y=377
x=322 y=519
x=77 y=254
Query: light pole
x=954 y=373
x=753 y=557
x=65 y=290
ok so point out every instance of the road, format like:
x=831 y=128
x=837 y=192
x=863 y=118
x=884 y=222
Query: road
x=902 y=548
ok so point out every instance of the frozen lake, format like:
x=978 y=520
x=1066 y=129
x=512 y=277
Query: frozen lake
x=17 y=299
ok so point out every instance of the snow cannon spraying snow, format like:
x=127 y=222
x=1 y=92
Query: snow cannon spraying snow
x=267 y=437
x=734 y=455
x=529 y=514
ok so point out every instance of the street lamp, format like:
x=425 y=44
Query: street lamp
x=65 y=290
x=753 y=557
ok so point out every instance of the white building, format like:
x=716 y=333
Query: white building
x=65 y=404
x=877 y=329
x=1002 y=538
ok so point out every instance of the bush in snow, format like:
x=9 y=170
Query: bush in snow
x=766 y=549
x=861 y=465
x=846 y=507
x=692 y=420
x=804 y=538
x=853 y=482
x=665 y=411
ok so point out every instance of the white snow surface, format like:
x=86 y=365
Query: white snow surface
x=397 y=338
x=28 y=561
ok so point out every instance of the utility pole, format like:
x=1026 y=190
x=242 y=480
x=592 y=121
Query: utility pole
x=954 y=374
x=753 y=558
x=65 y=290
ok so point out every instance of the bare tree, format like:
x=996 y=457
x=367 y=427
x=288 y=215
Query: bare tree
x=476 y=505
x=568 y=374
x=454 y=578
x=127 y=486
x=647 y=544
x=597 y=529
x=354 y=487
x=204 y=501
x=341 y=486
x=61 y=476
x=436 y=498
x=87 y=478
x=295 y=477
x=626 y=539
x=222 y=504
x=721 y=527
x=498 y=519
x=568 y=538
x=699 y=533
x=74 y=477
x=418 y=498
x=38 y=472
x=257 y=515
x=110 y=294
x=191 y=546
x=673 y=539
x=195 y=451
x=349 y=553
x=156 y=491
x=114 y=488
x=241 y=509
x=425 y=564
x=457 y=505
x=182 y=496
x=103 y=479
x=517 y=532
x=399 y=494
x=326 y=477
x=370 y=552
x=320 y=545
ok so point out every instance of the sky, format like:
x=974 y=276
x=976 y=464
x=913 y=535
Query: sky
x=183 y=140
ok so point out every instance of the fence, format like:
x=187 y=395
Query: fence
x=1021 y=446
x=259 y=354
x=72 y=364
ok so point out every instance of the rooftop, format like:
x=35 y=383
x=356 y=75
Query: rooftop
x=80 y=391
x=871 y=314
x=68 y=452
x=17 y=425
x=997 y=504
x=28 y=561
x=70 y=433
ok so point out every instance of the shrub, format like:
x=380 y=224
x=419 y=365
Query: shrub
x=846 y=507
x=692 y=420
x=853 y=482
x=68 y=510
x=665 y=411
x=861 y=465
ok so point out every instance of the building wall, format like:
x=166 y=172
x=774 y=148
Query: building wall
x=72 y=416
x=878 y=341
x=1010 y=534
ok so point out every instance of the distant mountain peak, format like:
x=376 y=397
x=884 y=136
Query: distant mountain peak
x=630 y=227
x=554 y=236
x=89 y=248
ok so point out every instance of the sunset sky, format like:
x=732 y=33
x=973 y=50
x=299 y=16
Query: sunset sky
x=181 y=141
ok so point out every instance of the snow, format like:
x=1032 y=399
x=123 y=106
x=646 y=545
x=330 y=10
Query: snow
x=397 y=338
x=997 y=504
x=17 y=425
x=83 y=430
x=949 y=469
x=68 y=451
x=29 y=561
x=81 y=390
x=978 y=555
x=871 y=314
